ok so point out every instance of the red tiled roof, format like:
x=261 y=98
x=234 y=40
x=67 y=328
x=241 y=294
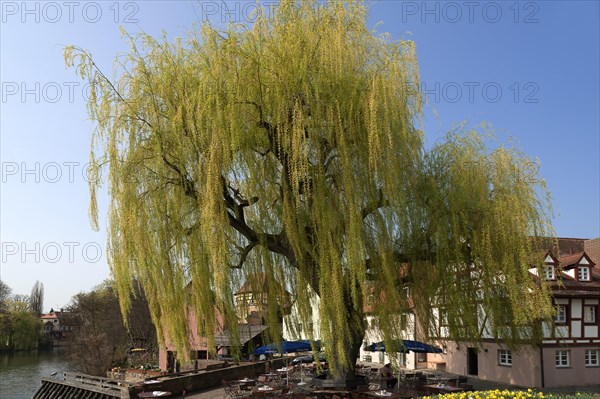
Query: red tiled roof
x=569 y=246
x=254 y=283
x=575 y=259
x=570 y=286
x=566 y=246
x=571 y=260
x=66 y=318
x=258 y=284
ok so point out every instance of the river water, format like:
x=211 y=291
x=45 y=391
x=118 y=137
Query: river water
x=20 y=372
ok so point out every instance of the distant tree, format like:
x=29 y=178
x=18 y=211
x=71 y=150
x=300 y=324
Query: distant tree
x=292 y=147
x=5 y=292
x=36 y=299
x=96 y=335
x=19 y=327
x=101 y=339
x=24 y=331
x=19 y=303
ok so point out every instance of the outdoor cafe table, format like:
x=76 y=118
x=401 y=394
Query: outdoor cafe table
x=270 y=376
x=435 y=388
x=265 y=390
x=385 y=394
x=246 y=383
x=327 y=393
x=438 y=379
x=154 y=394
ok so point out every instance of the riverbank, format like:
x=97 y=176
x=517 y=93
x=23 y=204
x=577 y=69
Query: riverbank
x=21 y=371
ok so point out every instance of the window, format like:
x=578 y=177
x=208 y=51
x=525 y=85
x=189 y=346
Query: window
x=404 y=321
x=504 y=317
x=310 y=327
x=443 y=317
x=561 y=314
x=589 y=314
x=583 y=273
x=504 y=357
x=562 y=358
x=591 y=358
x=549 y=272
x=402 y=359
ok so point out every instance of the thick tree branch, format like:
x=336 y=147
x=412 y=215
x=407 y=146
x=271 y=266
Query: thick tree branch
x=244 y=254
x=372 y=206
x=186 y=183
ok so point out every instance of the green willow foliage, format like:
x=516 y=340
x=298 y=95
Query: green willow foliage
x=290 y=147
x=19 y=331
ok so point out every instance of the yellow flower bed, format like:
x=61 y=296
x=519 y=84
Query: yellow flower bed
x=506 y=394
x=492 y=394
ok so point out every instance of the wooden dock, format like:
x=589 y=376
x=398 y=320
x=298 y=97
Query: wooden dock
x=82 y=386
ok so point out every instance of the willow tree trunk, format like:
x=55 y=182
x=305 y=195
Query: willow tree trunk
x=345 y=369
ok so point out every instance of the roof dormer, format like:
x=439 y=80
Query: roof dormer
x=578 y=265
x=550 y=263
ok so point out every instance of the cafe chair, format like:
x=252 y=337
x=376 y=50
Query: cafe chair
x=233 y=391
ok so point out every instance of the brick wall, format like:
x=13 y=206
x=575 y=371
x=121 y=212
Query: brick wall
x=592 y=249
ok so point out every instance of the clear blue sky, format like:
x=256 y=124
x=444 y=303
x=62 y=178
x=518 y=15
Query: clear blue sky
x=530 y=68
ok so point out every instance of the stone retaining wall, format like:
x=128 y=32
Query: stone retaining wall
x=205 y=379
x=133 y=375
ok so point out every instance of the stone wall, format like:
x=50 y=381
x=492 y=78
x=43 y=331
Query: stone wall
x=203 y=379
x=133 y=375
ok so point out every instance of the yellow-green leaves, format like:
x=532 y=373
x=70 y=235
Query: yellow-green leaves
x=289 y=148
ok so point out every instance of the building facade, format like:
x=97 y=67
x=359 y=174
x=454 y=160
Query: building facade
x=569 y=354
x=57 y=325
x=251 y=309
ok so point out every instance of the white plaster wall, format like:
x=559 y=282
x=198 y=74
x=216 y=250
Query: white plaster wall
x=562 y=331
x=290 y=332
x=570 y=272
x=590 y=331
x=372 y=336
x=576 y=308
x=547 y=329
x=576 y=328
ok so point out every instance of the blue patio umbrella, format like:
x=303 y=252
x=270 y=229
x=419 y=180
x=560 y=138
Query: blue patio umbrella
x=403 y=346
x=285 y=347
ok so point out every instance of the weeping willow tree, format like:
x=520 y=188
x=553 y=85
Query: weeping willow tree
x=291 y=148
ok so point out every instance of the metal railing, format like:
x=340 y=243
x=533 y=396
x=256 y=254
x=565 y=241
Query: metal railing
x=94 y=381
